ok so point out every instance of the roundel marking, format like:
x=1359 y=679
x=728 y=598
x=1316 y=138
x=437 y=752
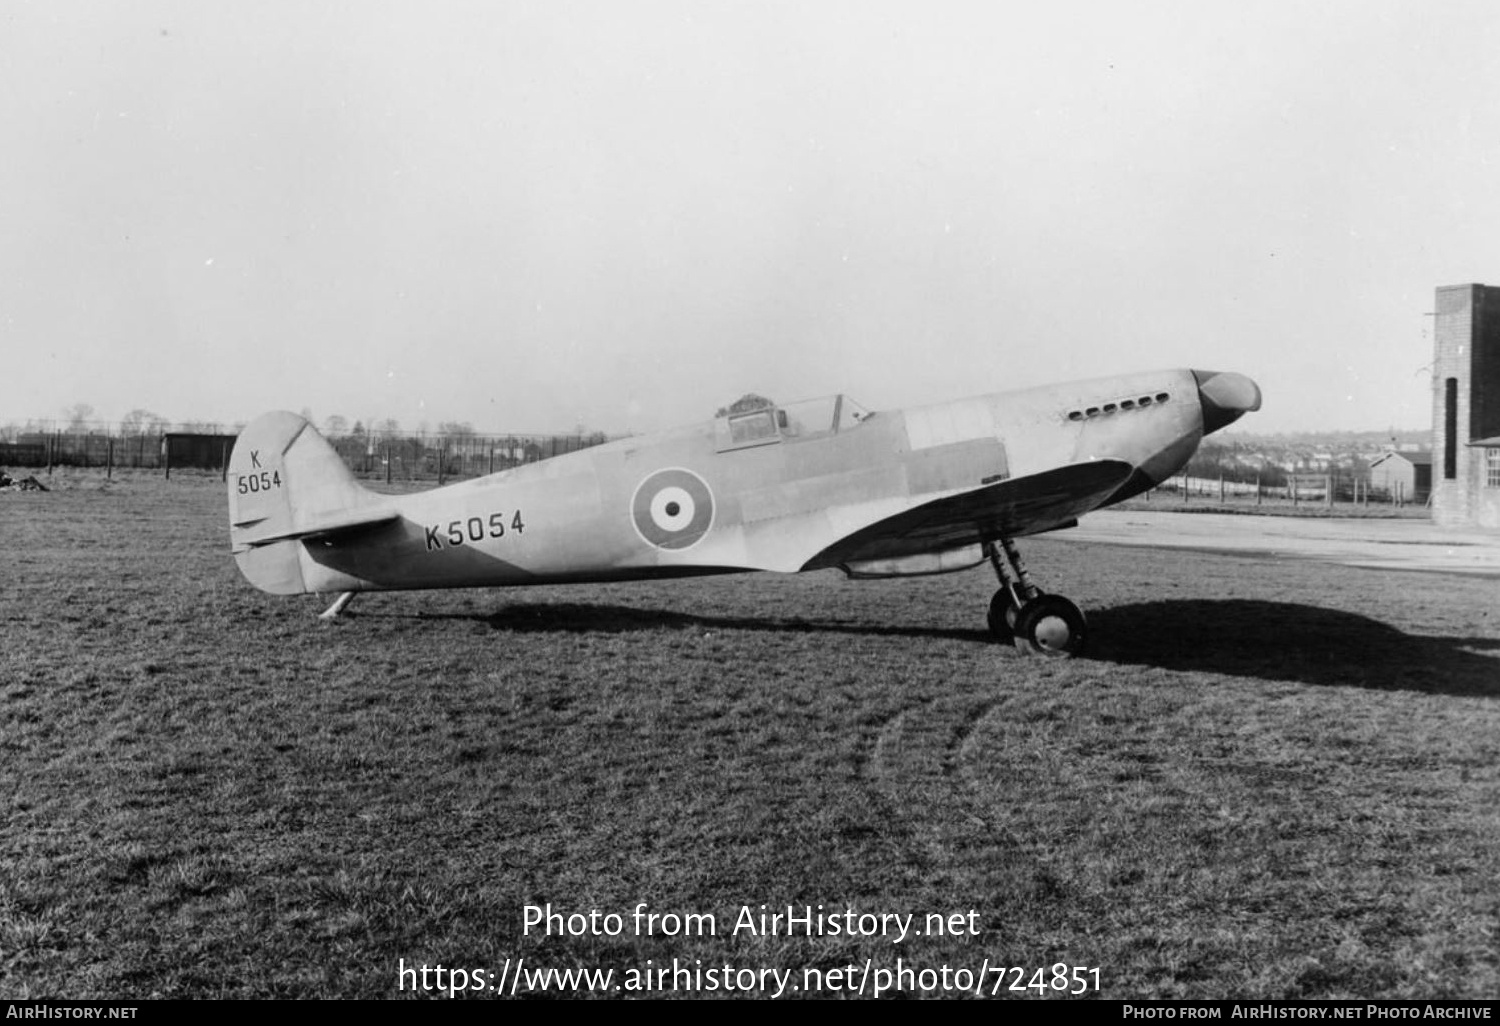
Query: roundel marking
x=672 y=509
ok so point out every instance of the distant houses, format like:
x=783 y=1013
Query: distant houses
x=1355 y=468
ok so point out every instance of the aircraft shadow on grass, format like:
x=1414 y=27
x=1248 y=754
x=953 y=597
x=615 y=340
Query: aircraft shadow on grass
x=578 y=617
x=1240 y=637
x=1286 y=641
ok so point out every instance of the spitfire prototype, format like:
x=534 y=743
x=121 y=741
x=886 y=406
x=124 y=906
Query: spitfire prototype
x=810 y=485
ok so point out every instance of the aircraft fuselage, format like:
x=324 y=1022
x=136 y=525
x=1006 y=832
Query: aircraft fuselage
x=791 y=488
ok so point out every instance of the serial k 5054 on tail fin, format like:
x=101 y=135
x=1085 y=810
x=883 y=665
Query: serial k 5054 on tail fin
x=810 y=485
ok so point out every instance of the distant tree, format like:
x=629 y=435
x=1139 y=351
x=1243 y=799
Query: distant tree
x=79 y=414
x=390 y=427
x=456 y=429
x=587 y=436
x=335 y=425
x=358 y=430
x=142 y=422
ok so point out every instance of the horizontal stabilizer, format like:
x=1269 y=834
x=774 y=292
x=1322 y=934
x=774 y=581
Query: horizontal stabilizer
x=327 y=528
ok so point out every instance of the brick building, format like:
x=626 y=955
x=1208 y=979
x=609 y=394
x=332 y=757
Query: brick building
x=1466 y=407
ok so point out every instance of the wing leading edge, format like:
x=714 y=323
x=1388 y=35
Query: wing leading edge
x=1005 y=509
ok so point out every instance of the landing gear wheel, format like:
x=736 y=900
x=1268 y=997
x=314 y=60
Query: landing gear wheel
x=1050 y=625
x=1014 y=611
x=1003 y=613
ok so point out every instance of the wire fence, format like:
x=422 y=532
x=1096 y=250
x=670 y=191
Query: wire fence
x=421 y=456
x=442 y=457
x=1345 y=488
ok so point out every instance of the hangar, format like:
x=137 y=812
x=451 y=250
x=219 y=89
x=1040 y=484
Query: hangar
x=1466 y=407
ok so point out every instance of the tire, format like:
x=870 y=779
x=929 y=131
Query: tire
x=1012 y=611
x=1050 y=625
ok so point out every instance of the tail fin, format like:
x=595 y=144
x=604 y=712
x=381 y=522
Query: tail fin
x=286 y=484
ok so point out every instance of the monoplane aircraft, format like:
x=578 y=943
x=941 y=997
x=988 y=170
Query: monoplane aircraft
x=810 y=485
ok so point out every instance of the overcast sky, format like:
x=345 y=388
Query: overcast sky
x=624 y=214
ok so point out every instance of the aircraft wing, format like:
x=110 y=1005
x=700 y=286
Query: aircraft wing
x=1006 y=509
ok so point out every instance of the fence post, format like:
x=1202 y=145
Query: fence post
x=1221 y=489
x=1257 y=489
x=109 y=459
x=1328 y=484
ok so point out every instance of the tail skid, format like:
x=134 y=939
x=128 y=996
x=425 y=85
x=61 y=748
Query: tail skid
x=287 y=485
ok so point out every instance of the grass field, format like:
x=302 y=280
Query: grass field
x=1268 y=780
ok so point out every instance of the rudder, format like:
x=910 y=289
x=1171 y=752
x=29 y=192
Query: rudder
x=285 y=482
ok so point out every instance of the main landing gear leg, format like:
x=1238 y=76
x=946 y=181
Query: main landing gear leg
x=339 y=605
x=1020 y=612
x=1008 y=600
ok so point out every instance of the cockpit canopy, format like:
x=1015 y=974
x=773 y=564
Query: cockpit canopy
x=755 y=421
